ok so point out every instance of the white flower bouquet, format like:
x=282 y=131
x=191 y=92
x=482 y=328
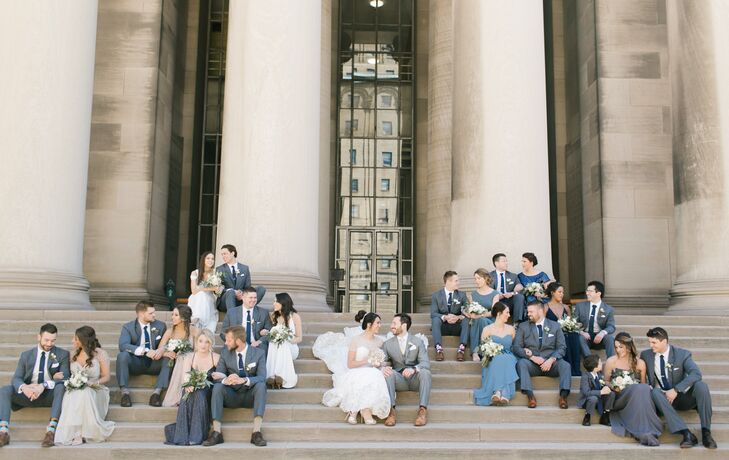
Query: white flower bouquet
x=488 y=348
x=215 y=280
x=78 y=381
x=376 y=358
x=570 y=324
x=280 y=334
x=474 y=308
x=179 y=347
x=534 y=290
x=621 y=379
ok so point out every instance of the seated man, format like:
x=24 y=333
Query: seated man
x=509 y=288
x=540 y=345
x=446 y=316
x=240 y=378
x=409 y=367
x=138 y=353
x=255 y=320
x=236 y=277
x=598 y=321
x=677 y=385
x=37 y=382
x=593 y=391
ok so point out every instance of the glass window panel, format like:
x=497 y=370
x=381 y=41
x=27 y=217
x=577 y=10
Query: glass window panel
x=345 y=145
x=360 y=302
x=341 y=243
x=344 y=210
x=364 y=13
x=365 y=151
x=407 y=244
x=364 y=212
x=208 y=179
x=360 y=275
x=365 y=91
x=388 y=244
x=386 y=212
x=355 y=185
x=384 y=185
x=386 y=303
x=206 y=237
x=210 y=150
x=207 y=206
x=387 y=182
x=342 y=265
x=360 y=243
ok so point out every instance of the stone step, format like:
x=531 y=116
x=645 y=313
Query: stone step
x=342 y=432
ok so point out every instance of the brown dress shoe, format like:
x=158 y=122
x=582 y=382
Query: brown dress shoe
x=422 y=417
x=48 y=439
x=391 y=419
x=126 y=400
x=439 y=355
x=460 y=356
x=563 y=403
x=4 y=438
x=155 y=400
x=257 y=439
x=532 y=402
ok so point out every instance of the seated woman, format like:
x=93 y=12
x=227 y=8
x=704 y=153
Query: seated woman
x=530 y=274
x=84 y=410
x=181 y=330
x=280 y=361
x=632 y=412
x=193 y=416
x=498 y=378
x=202 y=300
x=556 y=310
x=487 y=297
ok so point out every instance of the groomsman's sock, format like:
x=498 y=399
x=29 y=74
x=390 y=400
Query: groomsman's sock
x=125 y=391
x=529 y=394
x=257 y=422
x=157 y=391
x=217 y=427
x=4 y=426
x=52 y=425
x=564 y=393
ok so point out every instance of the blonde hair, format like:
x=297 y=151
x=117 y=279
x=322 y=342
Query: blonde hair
x=483 y=273
x=208 y=335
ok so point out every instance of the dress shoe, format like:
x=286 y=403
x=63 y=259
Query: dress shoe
x=460 y=356
x=216 y=437
x=126 y=400
x=48 y=439
x=532 y=402
x=563 y=403
x=689 y=440
x=391 y=419
x=4 y=438
x=707 y=440
x=422 y=417
x=155 y=400
x=586 y=420
x=278 y=382
x=605 y=419
x=257 y=439
x=439 y=355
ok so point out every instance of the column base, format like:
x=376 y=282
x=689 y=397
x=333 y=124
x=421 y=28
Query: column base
x=705 y=298
x=117 y=298
x=43 y=290
x=307 y=290
x=638 y=303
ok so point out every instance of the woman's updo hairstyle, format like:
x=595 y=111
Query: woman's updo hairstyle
x=368 y=319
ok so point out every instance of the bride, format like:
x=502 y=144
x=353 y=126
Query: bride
x=361 y=387
x=84 y=410
x=202 y=300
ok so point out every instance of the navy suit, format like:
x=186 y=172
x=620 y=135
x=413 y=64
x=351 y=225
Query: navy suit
x=516 y=302
x=553 y=346
x=128 y=363
x=438 y=307
x=251 y=395
x=260 y=320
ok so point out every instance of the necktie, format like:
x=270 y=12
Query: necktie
x=598 y=386
x=147 y=345
x=591 y=325
x=42 y=368
x=450 y=301
x=232 y=272
x=503 y=283
x=664 y=379
x=249 y=333
x=540 y=329
x=241 y=366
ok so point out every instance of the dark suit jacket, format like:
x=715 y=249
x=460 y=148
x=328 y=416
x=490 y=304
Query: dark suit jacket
x=131 y=333
x=439 y=303
x=58 y=361
x=527 y=336
x=681 y=370
x=261 y=320
x=588 y=387
x=605 y=316
x=241 y=281
x=255 y=365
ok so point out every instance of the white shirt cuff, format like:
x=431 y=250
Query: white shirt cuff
x=139 y=351
x=50 y=384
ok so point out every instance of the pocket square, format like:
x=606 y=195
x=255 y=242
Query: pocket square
x=602 y=316
x=511 y=282
x=550 y=335
x=158 y=337
x=54 y=365
x=413 y=347
x=252 y=365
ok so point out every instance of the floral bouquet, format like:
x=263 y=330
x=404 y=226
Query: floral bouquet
x=214 y=279
x=621 y=379
x=78 y=381
x=488 y=348
x=570 y=324
x=474 y=308
x=197 y=380
x=376 y=358
x=179 y=347
x=280 y=334
x=534 y=290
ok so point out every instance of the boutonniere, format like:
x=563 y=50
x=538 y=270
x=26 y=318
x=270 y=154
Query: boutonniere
x=546 y=328
x=669 y=366
x=52 y=356
x=250 y=367
x=154 y=329
x=456 y=301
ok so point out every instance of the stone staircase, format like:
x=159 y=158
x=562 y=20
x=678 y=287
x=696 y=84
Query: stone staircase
x=298 y=426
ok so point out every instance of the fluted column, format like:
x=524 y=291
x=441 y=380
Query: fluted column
x=500 y=199
x=699 y=60
x=269 y=186
x=46 y=86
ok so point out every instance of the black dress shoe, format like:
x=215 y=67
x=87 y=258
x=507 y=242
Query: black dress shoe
x=689 y=440
x=257 y=439
x=155 y=400
x=605 y=419
x=126 y=400
x=707 y=440
x=586 y=420
x=216 y=437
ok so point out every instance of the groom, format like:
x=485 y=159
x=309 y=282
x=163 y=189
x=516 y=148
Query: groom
x=410 y=367
x=37 y=382
x=236 y=277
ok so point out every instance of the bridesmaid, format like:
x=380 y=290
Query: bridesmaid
x=555 y=310
x=487 y=297
x=182 y=330
x=498 y=379
x=529 y=274
x=280 y=360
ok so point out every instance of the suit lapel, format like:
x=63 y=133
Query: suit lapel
x=31 y=364
x=672 y=363
x=650 y=366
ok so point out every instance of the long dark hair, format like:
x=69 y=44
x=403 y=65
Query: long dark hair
x=368 y=319
x=626 y=340
x=185 y=313
x=86 y=335
x=287 y=309
x=201 y=266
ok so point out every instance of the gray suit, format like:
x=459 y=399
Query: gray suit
x=517 y=302
x=58 y=361
x=553 y=346
x=241 y=281
x=684 y=376
x=590 y=393
x=416 y=357
x=439 y=307
x=252 y=395
x=128 y=363
x=260 y=320
x=605 y=322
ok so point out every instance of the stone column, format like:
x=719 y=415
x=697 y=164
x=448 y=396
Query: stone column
x=699 y=61
x=500 y=186
x=269 y=185
x=47 y=51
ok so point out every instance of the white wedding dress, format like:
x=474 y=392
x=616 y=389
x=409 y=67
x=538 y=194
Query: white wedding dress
x=202 y=304
x=354 y=389
x=83 y=411
x=280 y=360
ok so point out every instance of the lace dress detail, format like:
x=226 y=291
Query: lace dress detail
x=280 y=360
x=202 y=304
